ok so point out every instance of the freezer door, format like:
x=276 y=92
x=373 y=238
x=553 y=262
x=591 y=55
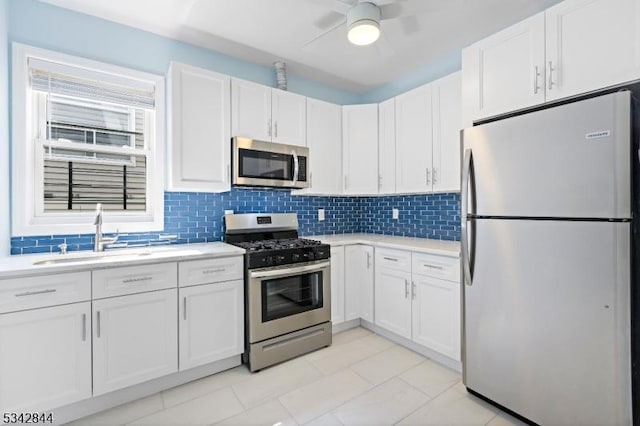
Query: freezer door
x=546 y=320
x=569 y=161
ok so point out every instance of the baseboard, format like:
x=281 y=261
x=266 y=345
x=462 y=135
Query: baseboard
x=409 y=344
x=346 y=325
x=96 y=404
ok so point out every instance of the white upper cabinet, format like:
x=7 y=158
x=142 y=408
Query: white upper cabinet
x=505 y=71
x=289 y=118
x=199 y=130
x=266 y=114
x=250 y=110
x=591 y=44
x=360 y=149
x=387 y=147
x=447 y=122
x=414 y=139
x=324 y=140
x=574 y=47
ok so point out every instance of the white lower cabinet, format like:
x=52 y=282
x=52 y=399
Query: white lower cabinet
x=135 y=339
x=393 y=300
x=337 y=285
x=358 y=279
x=211 y=322
x=45 y=357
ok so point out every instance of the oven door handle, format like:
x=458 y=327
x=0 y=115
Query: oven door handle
x=289 y=271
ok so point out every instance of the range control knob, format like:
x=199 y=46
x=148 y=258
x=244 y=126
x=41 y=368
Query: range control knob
x=295 y=257
x=268 y=260
x=280 y=259
x=310 y=255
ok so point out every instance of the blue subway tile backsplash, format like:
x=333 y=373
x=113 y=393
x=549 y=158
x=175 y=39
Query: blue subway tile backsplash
x=193 y=217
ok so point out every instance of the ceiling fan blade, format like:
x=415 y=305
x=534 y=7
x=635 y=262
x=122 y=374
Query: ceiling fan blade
x=338 y=6
x=328 y=20
x=383 y=45
x=403 y=8
x=319 y=36
x=410 y=24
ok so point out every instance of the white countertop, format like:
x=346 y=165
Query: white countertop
x=23 y=265
x=423 y=245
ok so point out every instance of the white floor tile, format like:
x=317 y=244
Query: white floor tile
x=275 y=381
x=123 y=414
x=385 y=404
x=271 y=413
x=430 y=378
x=326 y=420
x=188 y=391
x=450 y=408
x=204 y=410
x=504 y=419
x=322 y=396
x=336 y=358
x=383 y=366
x=350 y=335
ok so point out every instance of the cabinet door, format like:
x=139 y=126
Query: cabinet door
x=324 y=139
x=360 y=148
x=337 y=285
x=199 y=130
x=211 y=323
x=359 y=282
x=436 y=315
x=506 y=71
x=414 y=140
x=135 y=339
x=289 y=115
x=45 y=361
x=251 y=110
x=591 y=44
x=393 y=300
x=447 y=122
x=387 y=147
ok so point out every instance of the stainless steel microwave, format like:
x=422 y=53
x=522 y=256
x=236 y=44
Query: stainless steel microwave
x=259 y=163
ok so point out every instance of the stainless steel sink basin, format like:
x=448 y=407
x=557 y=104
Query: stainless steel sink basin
x=71 y=258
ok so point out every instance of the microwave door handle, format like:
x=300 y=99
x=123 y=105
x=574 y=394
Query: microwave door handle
x=296 y=167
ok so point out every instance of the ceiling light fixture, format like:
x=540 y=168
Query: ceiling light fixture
x=363 y=23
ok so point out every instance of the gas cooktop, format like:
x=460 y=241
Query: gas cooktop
x=277 y=244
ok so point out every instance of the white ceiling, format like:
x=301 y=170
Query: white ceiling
x=262 y=31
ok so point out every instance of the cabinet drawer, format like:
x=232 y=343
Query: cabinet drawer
x=446 y=268
x=195 y=272
x=134 y=279
x=17 y=294
x=393 y=259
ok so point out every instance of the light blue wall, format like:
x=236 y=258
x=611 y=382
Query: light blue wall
x=42 y=25
x=4 y=128
x=431 y=71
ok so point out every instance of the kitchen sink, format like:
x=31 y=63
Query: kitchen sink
x=70 y=258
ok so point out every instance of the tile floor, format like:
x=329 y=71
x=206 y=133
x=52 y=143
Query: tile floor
x=362 y=379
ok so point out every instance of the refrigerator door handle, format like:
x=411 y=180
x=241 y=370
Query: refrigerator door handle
x=464 y=204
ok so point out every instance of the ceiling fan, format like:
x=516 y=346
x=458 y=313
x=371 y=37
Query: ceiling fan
x=363 y=17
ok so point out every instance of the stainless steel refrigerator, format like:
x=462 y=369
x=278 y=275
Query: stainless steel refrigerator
x=546 y=239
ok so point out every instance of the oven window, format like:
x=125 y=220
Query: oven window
x=265 y=165
x=287 y=296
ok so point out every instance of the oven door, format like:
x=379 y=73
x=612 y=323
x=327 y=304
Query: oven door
x=258 y=163
x=287 y=298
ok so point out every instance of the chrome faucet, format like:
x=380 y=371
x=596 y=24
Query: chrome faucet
x=99 y=240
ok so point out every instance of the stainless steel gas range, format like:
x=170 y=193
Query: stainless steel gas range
x=287 y=288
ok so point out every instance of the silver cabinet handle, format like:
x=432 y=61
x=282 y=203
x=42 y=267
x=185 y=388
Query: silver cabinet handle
x=368 y=260
x=275 y=129
x=269 y=127
x=184 y=307
x=434 y=176
x=98 y=324
x=428 y=176
x=136 y=280
x=33 y=293
x=84 y=327
x=406 y=289
x=551 y=69
x=464 y=237
x=213 y=271
x=390 y=258
x=413 y=290
x=296 y=167
x=433 y=266
x=379 y=181
x=536 y=74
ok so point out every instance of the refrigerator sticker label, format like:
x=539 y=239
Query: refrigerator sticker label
x=600 y=134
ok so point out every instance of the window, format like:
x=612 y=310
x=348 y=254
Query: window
x=85 y=133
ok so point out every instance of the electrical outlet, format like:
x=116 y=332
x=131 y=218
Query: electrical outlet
x=320 y=215
x=395 y=213
x=228 y=212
